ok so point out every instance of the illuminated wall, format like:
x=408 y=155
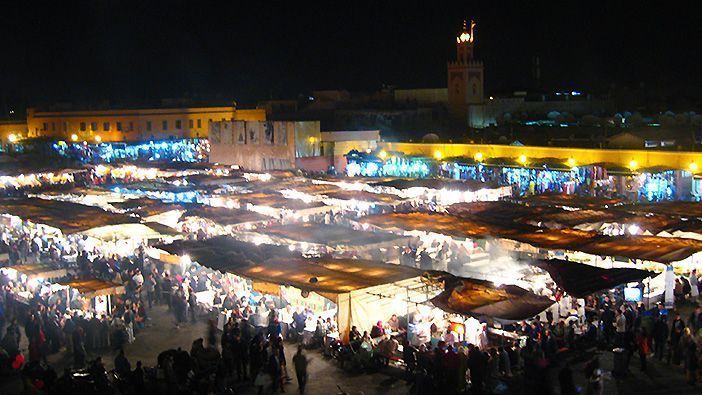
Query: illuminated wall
x=12 y=127
x=253 y=145
x=133 y=124
x=680 y=160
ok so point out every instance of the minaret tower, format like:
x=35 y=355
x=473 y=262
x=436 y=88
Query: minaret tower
x=465 y=76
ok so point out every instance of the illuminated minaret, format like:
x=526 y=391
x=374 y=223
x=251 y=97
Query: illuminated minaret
x=465 y=76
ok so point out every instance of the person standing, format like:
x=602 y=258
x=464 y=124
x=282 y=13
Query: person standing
x=78 y=348
x=660 y=336
x=694 y=283
x=192 y=305
x=300 y=361
x=676 y=332
x=150 y=285
x=642 y=346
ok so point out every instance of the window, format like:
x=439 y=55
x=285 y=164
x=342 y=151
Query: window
x=93 y=126
x=148 y=126
x=82 y=126
x=53 y=127
x=179 y=124
x=119 y=126
x=65 y=126
x=106 y=126
x=190 y=123
x=199 y=123
x=131 y=126
x=164 y=125
x=44 y=127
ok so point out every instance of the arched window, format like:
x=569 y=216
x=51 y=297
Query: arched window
x=475 y=89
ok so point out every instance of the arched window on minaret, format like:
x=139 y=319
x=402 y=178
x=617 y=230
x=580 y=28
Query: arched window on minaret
x=475 y=89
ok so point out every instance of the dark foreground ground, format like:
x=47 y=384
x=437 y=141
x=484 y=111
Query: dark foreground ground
x=325 y=374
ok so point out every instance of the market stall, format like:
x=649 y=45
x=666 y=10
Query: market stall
x=347 y=282
x=97 y=293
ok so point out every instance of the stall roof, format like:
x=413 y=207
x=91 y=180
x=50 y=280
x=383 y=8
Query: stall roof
x=485 y=299
x=223 y=215
x=363 y=196
x=564 y=200
x=145 y=207
x=435 y=183
x=149 y=230
x=206 y=180
x=316 y=189
x=431 y=222
x=506 y=213
x=680 y=209
x=329 y=234
x=151 y=186
x=652 y=248
x=580 y=280
x=276 y=200
x=278 y=265
x=39 y=270
x=94 y=287
x=66 y=216
x=14 y=169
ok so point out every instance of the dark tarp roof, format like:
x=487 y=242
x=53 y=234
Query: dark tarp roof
x=507 y=213
x=145 y=207
x=66 y=216
x=278 y=265
x=653 y=248
x=435 y=183
x=276 y=200
x=329 y=234
x=580 y=280
x=203 y=180
x=363 y=196
x=431 y=222
x=681 y=209
x=559 y=200
x=223 y=215
x=484 y=299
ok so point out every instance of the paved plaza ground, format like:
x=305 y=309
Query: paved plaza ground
x=325 y=374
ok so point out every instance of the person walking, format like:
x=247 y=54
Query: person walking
x=300 y=361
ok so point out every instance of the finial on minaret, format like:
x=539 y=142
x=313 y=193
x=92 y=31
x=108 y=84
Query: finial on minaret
x=466 y=35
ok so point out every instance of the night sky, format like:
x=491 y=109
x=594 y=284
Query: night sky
x=134 y=52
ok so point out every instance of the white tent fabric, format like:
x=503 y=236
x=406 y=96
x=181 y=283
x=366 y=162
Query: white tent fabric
x=364 y=307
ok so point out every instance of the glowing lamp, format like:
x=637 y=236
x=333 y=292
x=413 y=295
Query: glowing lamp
x=634 y=229
x=12 y=137
x=98 y=139
x=457 y=327
x=312 y=139
x=478 y=156
x=438 y=155
x=383 y=155
x=571 y=162
x=74 y=137
x=693 y=167
x=633 y=165
x=522 y=159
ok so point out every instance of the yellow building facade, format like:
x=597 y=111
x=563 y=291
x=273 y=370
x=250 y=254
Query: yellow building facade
x=629 y=159
x=133 y=124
